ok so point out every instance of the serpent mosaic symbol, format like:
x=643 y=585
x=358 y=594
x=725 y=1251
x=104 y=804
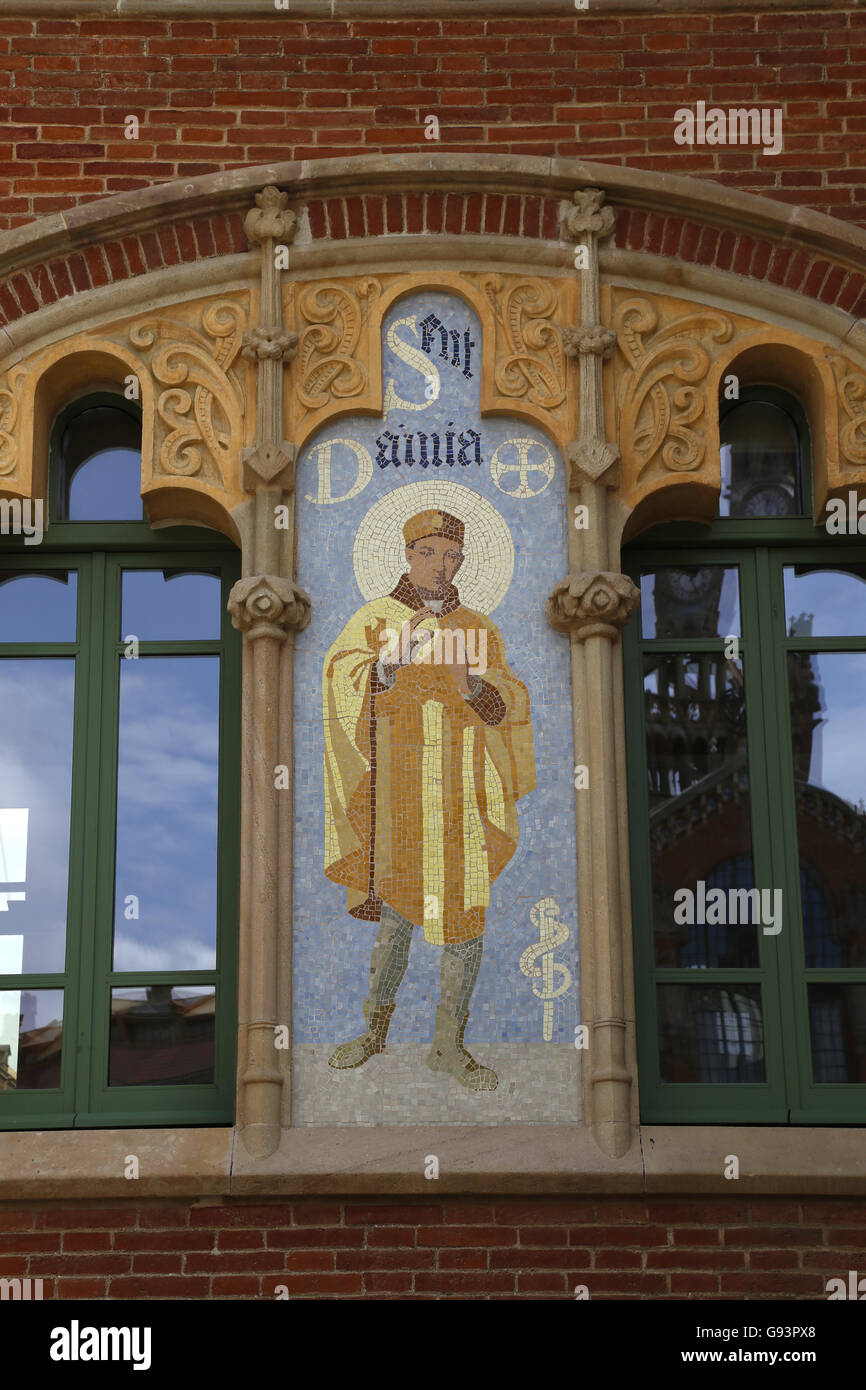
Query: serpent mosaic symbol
x=552 y=933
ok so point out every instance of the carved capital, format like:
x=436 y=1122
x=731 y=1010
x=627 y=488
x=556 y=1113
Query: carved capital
x=591 y=461
x=276 y=344
x=270 y=219
x=592 y=604
x=267 y=606
x=588 y=215
x=594 y=340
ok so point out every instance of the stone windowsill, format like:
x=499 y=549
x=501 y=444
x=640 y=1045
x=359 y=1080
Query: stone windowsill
x=537 y=1160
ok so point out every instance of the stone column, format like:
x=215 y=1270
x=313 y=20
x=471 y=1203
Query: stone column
x=268 y=607
x=592 y=605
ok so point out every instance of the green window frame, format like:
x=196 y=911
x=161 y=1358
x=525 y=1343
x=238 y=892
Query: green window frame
x=99 y=552
x=759 y=549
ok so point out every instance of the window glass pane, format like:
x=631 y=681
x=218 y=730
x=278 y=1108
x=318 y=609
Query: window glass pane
x=828 y=696
x=700 y=823
x=170 y=605
x=107 y=487
x=36 y=695
x=162 y=1035
x=760 y=462
x=690 y=601
x=837 y=1021
x=825 y=602
x=166 y=867
x=713 y=1034
x=38 y=607
x=31 y=1036
x=100 y=466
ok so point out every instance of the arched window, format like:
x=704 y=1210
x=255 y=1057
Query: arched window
x=98 y=473
x=119 y=676
x=746 y=681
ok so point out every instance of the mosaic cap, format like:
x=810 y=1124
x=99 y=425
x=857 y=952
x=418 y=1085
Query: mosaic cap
x=433 y=523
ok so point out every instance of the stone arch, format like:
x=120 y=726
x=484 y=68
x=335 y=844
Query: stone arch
x=54 y=380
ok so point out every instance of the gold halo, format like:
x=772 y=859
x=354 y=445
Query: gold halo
x=379 y=554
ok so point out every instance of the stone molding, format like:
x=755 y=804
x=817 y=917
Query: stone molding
x=679 y=1160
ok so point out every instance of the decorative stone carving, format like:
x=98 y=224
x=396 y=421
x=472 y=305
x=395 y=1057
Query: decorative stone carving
x=332 y=317
x=270 y=218
x=529 y=356
x=271 y=464
x=851 y=387
x=595 y=340
x=588 y=215
x=590 y=460
x=8 y=426
x=661 y=406
x=267 y=606
x=273 y=344
x=202 y=403
x=592 y=604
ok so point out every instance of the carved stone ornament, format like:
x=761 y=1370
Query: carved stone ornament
x=592 y=604
x=271 y=464
x=588 y=215
x=851 y=385
x=267 y=606
x=596 y=341
x=661 y=405
x=591 y=459
x=529 y=357
x=201 y=408
x=9 y=424
x=275 y=344
x=270 y=218
x=331 y=318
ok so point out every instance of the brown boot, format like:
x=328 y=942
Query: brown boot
x=361 y=1049
x=449 y=1054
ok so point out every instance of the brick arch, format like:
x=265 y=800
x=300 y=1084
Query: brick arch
x=690 y=220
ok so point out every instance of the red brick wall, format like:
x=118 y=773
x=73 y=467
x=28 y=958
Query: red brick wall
x=759 y=1248
x=212 y=95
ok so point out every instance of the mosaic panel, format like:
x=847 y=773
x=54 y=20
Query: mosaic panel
x=435 y=863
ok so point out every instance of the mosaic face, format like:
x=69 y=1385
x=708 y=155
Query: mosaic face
x=435 y=913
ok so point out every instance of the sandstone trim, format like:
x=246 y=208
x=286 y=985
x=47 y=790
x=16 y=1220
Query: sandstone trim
x=348 y=1159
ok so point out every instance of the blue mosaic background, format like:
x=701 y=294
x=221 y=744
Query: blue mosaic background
x=332 y=949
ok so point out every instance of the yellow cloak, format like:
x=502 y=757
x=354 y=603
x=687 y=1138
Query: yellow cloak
x=420 y=788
